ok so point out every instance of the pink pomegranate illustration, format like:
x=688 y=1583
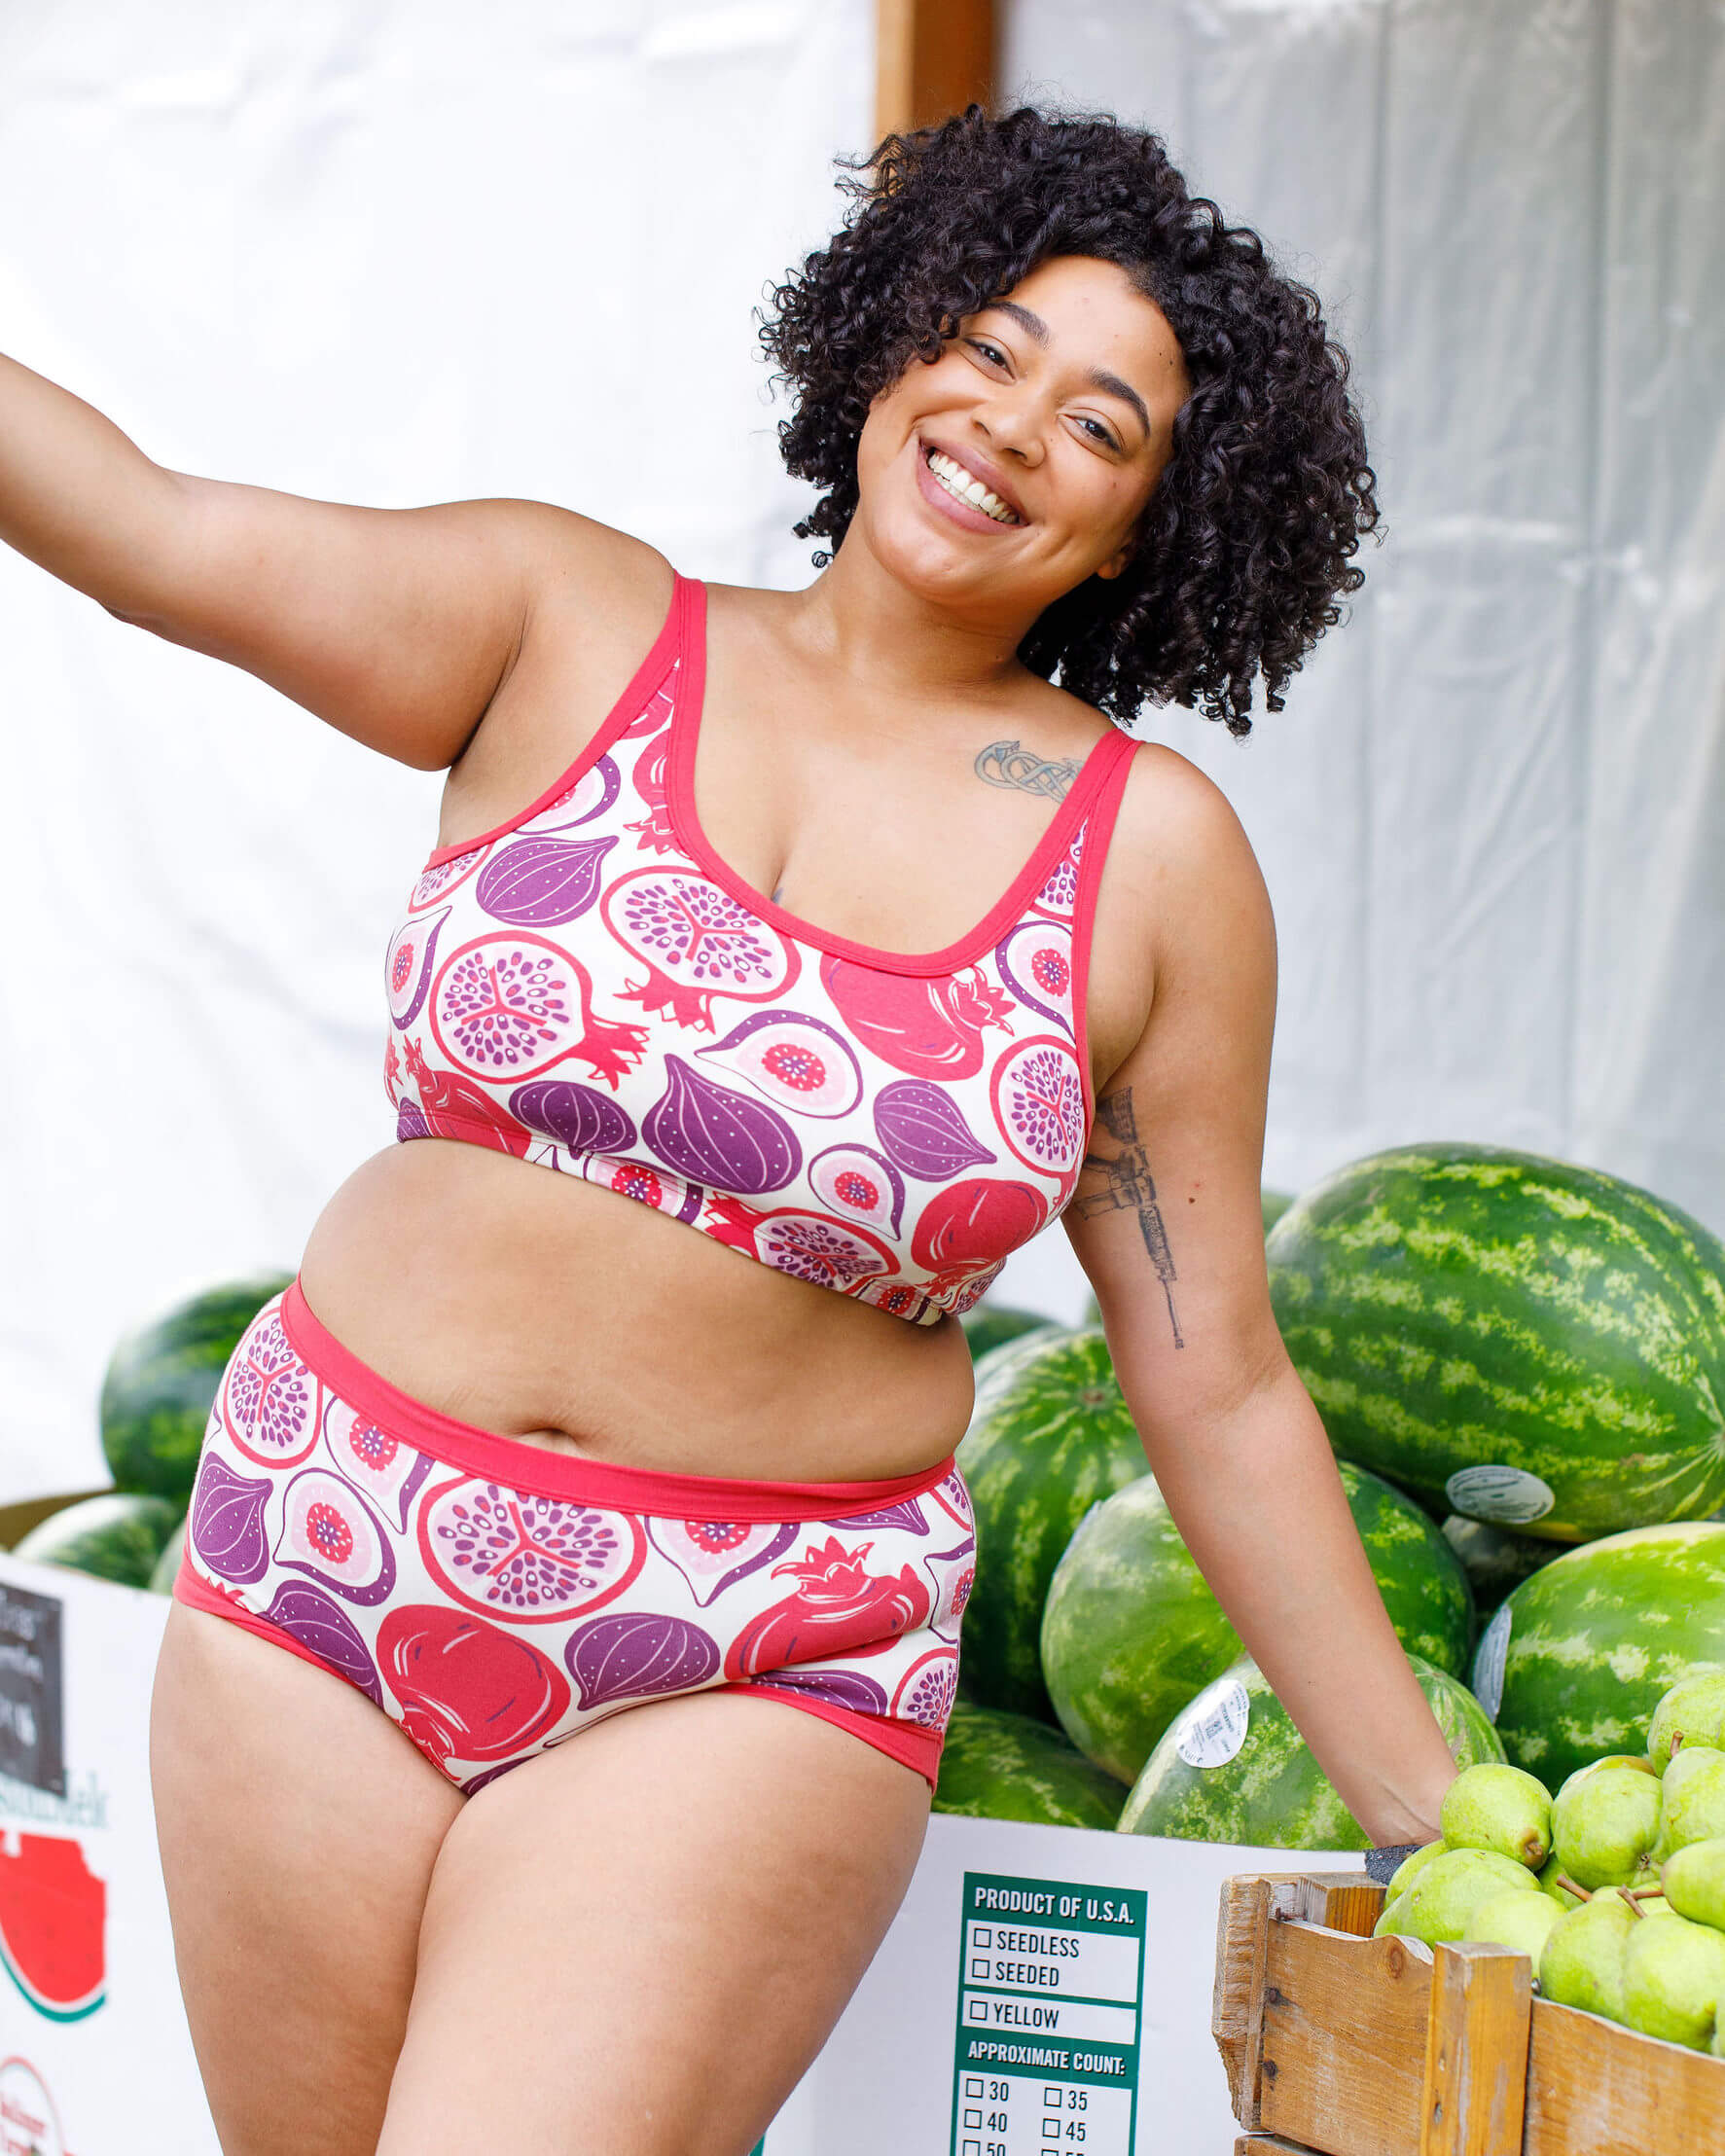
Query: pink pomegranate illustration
x=838 y=1607
x=929 y=1024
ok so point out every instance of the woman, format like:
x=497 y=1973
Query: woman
x=821 y=922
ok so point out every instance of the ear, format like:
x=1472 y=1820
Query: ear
x=1117 y=562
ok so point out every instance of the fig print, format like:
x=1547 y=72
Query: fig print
x=322 y=1627
x=713 y=1134
x=1035 y=962
x=859 y=1184
x=389 y=1471
x=409 y=961
x=793 y=1061
x=328 y=1531
x=542 y=880
x=226 y=1522
x=438 y=882
x=581 y=801
x=712 y=1555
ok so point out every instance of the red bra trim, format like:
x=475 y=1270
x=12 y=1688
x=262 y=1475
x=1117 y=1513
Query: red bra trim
x=1090 y=882
x=517 y=1465
x=1108 y=754
x=627 y=707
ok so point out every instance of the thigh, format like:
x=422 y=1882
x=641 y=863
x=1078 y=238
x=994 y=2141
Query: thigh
x=637 y=1941
x=298 y=1829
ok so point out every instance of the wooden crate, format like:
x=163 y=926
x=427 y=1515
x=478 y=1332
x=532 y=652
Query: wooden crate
x=1346 y=2045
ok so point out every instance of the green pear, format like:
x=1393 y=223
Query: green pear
x=1387 y=1917
x=1402 y=1878
x=1494 y=1807
x=1552 y=1883
x=1581 y=1963
x=1694 y=1808
x=1693 y=1877
x=1690 y=1712
x=1440 y=1903
x=1511 y=1917
x=1604 y=1822
x=1673 y=1975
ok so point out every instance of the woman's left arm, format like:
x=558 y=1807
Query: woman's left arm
x=1167 y=1221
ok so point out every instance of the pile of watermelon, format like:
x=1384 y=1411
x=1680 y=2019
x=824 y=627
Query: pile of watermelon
x=156 y=1395
x=1520 y=1367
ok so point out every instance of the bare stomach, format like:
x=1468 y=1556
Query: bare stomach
x=545 y=1309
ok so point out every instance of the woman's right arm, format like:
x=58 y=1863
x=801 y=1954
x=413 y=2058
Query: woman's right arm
x=396 y=626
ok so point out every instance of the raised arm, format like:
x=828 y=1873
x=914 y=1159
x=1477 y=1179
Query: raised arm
x=396 y=626
x=1166 y=1222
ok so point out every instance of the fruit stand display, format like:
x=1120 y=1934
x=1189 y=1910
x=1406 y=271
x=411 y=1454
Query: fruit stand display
x=1339 y=2042
x=1520 y=1364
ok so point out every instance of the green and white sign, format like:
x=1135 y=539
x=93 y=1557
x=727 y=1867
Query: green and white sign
x=1050 y=1987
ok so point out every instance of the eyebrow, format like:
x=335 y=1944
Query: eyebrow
x=1098 y=378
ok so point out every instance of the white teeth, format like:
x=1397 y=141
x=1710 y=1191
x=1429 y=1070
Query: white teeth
x=957 y=481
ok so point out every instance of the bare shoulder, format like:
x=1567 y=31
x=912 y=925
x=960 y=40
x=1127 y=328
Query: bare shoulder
x=594 y=600
x=1180 y=831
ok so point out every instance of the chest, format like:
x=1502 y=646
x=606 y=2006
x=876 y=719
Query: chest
x=863 y=826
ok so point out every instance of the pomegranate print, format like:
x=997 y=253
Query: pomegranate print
x=492 y=1621
x=591 y=988
x=837 y=1606
x=269 y=1403
x=533 y=1559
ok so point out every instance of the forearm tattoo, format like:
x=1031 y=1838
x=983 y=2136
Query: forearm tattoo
x=1006 y=764
x=1130 y=1188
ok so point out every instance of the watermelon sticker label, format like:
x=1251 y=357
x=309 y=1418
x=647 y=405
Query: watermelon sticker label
x=1489 y=1660
x=30 y=2124
x=1214 y=1728
x=1506 y=1496
x=1051 y=1988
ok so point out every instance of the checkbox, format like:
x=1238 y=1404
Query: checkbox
x=970 y=2148
x=978 y=2011
x=982 y=1935
x=973 y=2084
x=1051 y=2130
x=979 y=1968
x=973 y=2118
x=1051 y=2099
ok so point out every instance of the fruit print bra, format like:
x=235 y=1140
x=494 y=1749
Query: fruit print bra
x=590 y=987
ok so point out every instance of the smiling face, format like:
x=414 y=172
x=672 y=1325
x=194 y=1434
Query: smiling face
x=1059 y=401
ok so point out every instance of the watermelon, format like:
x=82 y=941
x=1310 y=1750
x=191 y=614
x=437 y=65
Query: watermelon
x=117 y=1536
x=161 y=1380
x=1261 y=1784
x=990 y=1324
x=1496 y=1561
x=168 y=1565
x=1576 y=1659
x=1050 y=1434
x=997 y=1766
x=1516 y=1339
x=53 y=1931
x=1130 y=1630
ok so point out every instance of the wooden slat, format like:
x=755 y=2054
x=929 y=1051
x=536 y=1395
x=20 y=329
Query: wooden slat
x=1244 y=1912
x=932 y=57
x=1595 y=2089
x=1268 y=2144
x=1342 y=1901
x=1342 y=2051
x=1476 y=2052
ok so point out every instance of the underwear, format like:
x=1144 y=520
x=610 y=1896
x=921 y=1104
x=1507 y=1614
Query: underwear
x=496 y=1598
x=590 y=986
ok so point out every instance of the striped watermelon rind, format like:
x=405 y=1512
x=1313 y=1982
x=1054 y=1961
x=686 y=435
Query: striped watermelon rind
x=1589 y=1645
x=1132 y=1631
x=168 y=1565
x=999 y=1765
x=988 y=1326
x=118 y=1536
x=1461 y=1306
x=161 y=1384
x=1272 y=1793
x=1050 y=1434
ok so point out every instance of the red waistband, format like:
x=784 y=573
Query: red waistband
x=520 y=1466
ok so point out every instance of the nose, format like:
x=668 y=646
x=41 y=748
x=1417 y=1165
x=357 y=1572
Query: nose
x=1014 y=425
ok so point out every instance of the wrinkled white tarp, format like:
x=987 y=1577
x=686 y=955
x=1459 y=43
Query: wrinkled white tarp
x=409 y=255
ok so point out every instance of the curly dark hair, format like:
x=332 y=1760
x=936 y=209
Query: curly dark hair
x=1245 y=542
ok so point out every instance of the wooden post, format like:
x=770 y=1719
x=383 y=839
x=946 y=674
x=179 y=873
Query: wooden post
x=932 y=57
x=1476 y=2052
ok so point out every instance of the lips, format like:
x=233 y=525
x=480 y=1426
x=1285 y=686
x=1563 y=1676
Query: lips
x=979 y=467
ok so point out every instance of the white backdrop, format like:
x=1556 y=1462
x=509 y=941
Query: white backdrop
x=399 y=255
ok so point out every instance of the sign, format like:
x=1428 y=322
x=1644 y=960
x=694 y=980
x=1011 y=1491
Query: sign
x=32 y=1741
x=1051 y=1983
